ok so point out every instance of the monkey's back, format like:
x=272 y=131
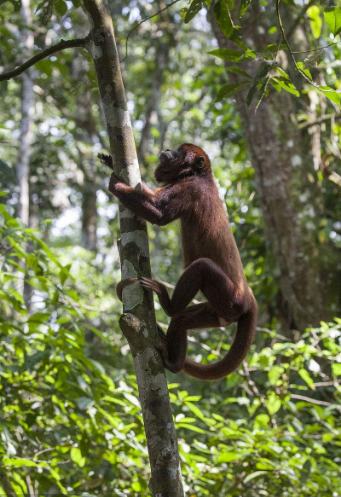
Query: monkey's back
x=206 y=232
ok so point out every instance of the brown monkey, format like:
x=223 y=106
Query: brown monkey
x=211 y=259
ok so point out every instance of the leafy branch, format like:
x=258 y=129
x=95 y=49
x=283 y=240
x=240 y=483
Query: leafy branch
x=328 y=92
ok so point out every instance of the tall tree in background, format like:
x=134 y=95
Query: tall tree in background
x=26 y=127
x=283 y=158
x=87 y=135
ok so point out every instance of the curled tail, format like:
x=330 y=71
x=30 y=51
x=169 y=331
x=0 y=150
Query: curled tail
x=246 y=329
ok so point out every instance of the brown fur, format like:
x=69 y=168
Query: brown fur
x=211 y=259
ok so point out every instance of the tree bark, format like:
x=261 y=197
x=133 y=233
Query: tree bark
x=138 y=321
x=281 y=155
x=26 y=126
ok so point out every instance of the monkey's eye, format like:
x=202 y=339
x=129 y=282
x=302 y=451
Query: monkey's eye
x=180 y=149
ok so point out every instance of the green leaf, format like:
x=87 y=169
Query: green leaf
x=336 y=368
x=259 y=76
x=77 y=457
x=18 y=462
x=244 y=6
x=230 y=90
x=227 y=54
x=237 y=70
x=251 y=476
x=39 y=317
x=273 y=47
x=273 y=403
x=307 y=378
x=193 y=9
x=223 y=18
x=315 y=20
x=285 y=85
x=228 y=457
x=61 y=7
x=190 y=427
x=306 y=71
x=332 y=16
x=261 y=421
x=331 y=94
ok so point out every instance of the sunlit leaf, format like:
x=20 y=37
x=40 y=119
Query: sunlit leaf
x=315 y=20
x=244 y=6
x=332 y=16
x=330 y=94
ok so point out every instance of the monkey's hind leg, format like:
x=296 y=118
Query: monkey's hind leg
x=194 y=317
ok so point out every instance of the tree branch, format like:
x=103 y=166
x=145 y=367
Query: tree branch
x=61 y=45
x=284 y=36
x=144 y=20
x=319 y=120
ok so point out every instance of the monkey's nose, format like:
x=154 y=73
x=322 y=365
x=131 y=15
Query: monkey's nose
x=167 y=150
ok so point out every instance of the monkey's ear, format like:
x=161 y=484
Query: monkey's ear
x=199 y=162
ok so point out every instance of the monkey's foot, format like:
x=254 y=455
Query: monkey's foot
x=122 y=284
x=161 y=292
x=152 y=285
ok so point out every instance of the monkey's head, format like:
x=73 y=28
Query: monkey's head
x=186 y=160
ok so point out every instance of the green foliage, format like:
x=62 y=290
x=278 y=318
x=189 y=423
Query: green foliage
x=74 y=424
x=265 y=76
x=230 y=90
x=332 y=17
x=193 y=9
x=63 y=414
x=223 y=16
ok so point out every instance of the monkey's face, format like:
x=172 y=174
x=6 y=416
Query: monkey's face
x=186 y=160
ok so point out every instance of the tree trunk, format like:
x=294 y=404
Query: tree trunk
x=138 y=321
x=86 y=132
x=282 y=158
x=89 y=214
x=26 y=126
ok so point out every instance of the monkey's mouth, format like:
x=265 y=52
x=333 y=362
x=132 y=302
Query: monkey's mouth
x=165 y=155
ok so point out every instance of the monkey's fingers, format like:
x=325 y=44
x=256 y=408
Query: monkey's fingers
x=106 y=159
x=150 y=285
x=122 y=284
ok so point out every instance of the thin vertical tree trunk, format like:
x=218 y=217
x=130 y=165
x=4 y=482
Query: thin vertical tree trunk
x=138 y=321
x=89 y=214
x=86 y=133
x=26 y=127
x=282 y=159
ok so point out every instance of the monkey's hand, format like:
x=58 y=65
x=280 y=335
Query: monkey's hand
x=116 y=185
x=161 y=292
x=106 y=159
